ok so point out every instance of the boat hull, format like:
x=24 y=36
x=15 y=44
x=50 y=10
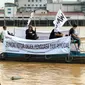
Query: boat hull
x=73 y=57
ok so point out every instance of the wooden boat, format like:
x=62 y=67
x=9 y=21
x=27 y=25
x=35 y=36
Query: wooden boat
x=73 y=56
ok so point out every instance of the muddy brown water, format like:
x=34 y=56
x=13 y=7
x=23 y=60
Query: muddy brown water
x=41 y=73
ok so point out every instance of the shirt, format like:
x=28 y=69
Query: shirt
x=71 y=31
x=4 y=32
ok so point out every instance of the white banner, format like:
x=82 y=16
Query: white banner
x=59 y=20
x=39 y=47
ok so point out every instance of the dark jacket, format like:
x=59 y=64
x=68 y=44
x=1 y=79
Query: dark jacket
x=31 y=34
x=54 y=34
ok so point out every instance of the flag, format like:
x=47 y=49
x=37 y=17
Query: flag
x=29 y=20
x=59 y=20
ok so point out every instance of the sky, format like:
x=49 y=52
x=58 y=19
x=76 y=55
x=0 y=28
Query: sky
x=3 y=1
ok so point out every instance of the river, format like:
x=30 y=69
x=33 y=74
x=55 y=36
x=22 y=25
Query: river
x=35 y=73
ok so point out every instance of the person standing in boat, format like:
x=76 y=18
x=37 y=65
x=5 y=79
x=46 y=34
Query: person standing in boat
x=55 y=33
x=30 y=33
x=73 y=35
x=4 y=32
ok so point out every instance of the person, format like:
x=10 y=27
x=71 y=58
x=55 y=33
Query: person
x=73 y=35
x=4 y=32
x=55 y=34
x=30 y=33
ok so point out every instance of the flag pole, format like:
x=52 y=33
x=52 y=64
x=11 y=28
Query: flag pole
x=4 y=15
x=34 y=21
x=31 y=16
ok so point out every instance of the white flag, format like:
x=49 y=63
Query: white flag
x=59 y=20
x=29 y=20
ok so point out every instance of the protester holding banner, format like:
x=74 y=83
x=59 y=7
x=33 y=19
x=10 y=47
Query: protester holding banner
x=4 y=32
x=55 y=34
x=30 y=33
x=74 y=36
